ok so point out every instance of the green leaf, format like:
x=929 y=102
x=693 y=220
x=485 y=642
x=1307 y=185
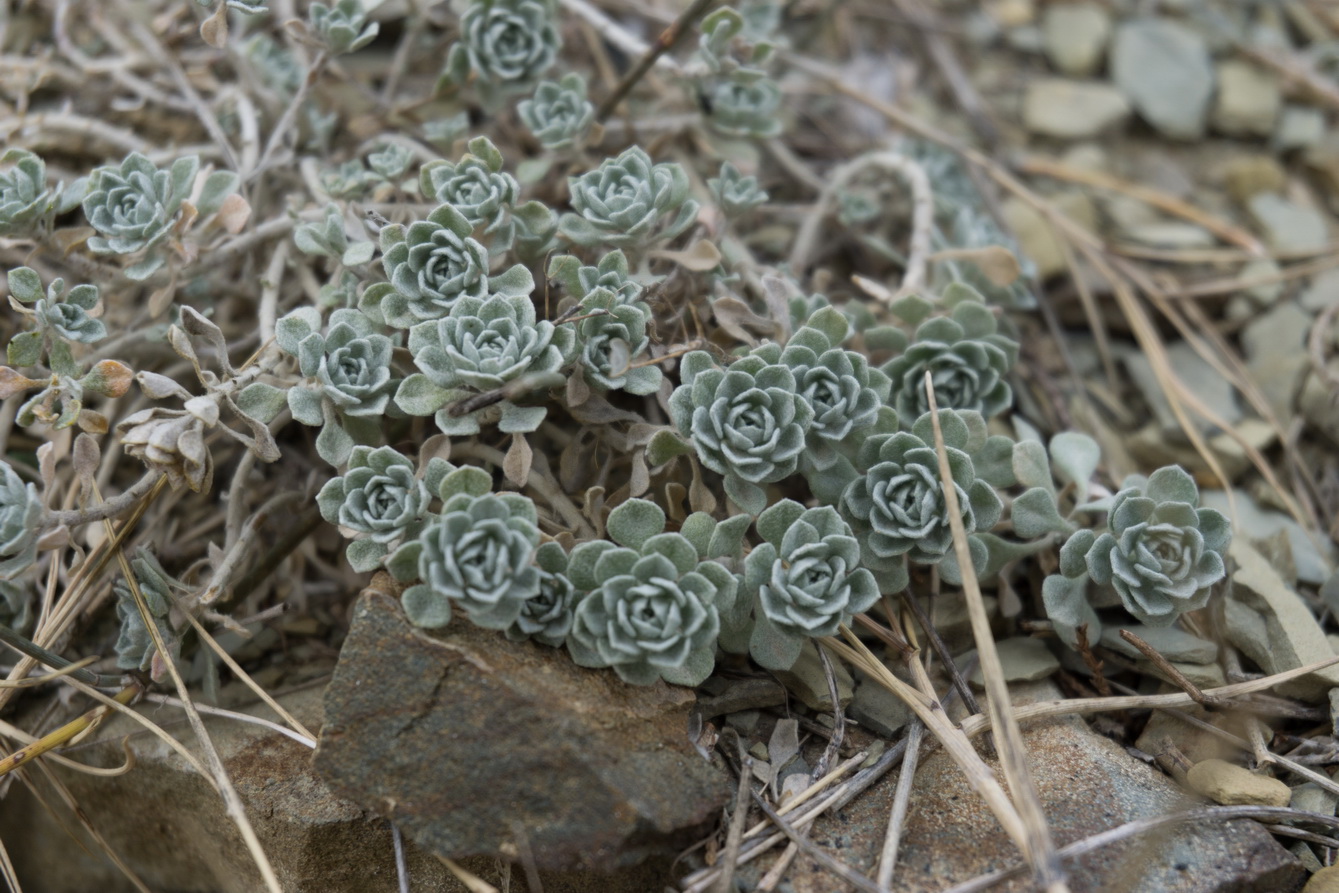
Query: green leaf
x=417 y=395
x=1075 y=457
x=1035 y=514
x=25 y=285
x=1032 y=467
x=365 y=555
x=334 y=444
x=728 y=538
x=634 y=522
x=25 y=349
x=358 y=253
x=470 y=480
x=262 y=401
x=772 y=648
x=749 y=497
x=426 y=608
x=831 y=322
x=218 y=186
x=1067 y=606
x=61 y=360
x=665 y=445
x=773 y=523
x=911 y=309
x=698 y=528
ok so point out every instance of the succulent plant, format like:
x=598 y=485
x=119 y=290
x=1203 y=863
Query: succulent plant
x=346 y=372
x=432 y=264
x=967 y=358
x=546 y=617
x=843 y=392
x=744 y=105
x=735 y=193
x=20 y=514
x=897 y=505
x=134 y=205
x=342 y=27
x=651 y=608
x=485 y=195
x=507 y=44
x=1162 y=553
x=272 y=63
x=484 y=346
x=611 y=273
x=747 y=422
x=559 y=115
x=66 y=315
x=135 y=649
x=60 y=402
x=377 y=501
x=611 y=337
x=804 y=580
x=476 y=556
x=25 y=199
x=624 y=202
x=391 y=162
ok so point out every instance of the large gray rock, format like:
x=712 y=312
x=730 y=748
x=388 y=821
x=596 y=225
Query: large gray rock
x=1088 y=784
x=1075 y=36
x=463 y=738
x=1072 y=110
x=1248 y=100
x=1165 y=70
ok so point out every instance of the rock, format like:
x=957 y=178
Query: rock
x=1275 y=347
x=1023 y=659
x=807 y=681
x=1087 y=784
x=462 y=736
x=1202 y=675
x=1194 y=742
x=1231 y=785
x=1171 y=642
x=1324 y=881
x=878 y=709
x=1249 y=175
x=1319 y=403
x=1312 y=565
x=1272 y=626
x=1265 y=293
x=1164 y=69
x=1323 y=158
x=1298 y=127
x=1289 y=227
x=1248 y=99
x=1086 y=157
x=1036 y=239
x=1072 y=110
x=735 y=695
x=1311 y=797
x=1075 y=36
x=1025 y=39
x=316 y=842
x=1323 y=291
x=1195 y=372
x=1171 y=234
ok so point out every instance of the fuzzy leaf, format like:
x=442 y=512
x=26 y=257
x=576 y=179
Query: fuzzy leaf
x=261 y=401
x=634 y=522
x=1075 y=457
x=664 y=446
x=1035 y=514
x=25 y=349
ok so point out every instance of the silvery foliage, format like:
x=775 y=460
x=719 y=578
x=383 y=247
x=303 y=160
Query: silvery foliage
x=738 y=96
x=20 y=520
x=506 y=44
x=558 y=115
x=966 y=356
x=1161 y=554
x=328 y=238
x=346 y=378
x=736 y=194
x=747 y=422
x=475 y=556
x=651 y=600
x=546 y=617
x=846 y=396
x=487 y=196
x=16 y=606
x=134 y=206
x=66 y=315
x=611 y=274
x=897 y=505
x=803 y=580
x=610 y=339
x=492 y=347
x=135 y=648
x=432 y=264
x=343 y=27
x=379 y=501
x=60 y=402
x=26 y=202
x=624 y=203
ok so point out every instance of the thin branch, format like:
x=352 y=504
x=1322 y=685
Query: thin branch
x=668 y=38
x=111 y=508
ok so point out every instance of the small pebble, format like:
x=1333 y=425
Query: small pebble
x=1232 y=785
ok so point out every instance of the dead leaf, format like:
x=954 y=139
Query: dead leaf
x=739 y=321
x=234 y=213
x=214 y=30
x=998 y=263
x=699 y=257
x=12 y=383
x=516 y=464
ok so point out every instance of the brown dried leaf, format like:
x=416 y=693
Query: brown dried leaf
x=214 y=30
x=516 y=464
x=699 y=257
x=234 y=213
x=12 y=383
x=998 y=263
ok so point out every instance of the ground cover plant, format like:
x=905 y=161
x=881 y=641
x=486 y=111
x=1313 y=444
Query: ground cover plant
x=616 y=358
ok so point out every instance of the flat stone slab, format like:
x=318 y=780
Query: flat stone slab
x=467 y=741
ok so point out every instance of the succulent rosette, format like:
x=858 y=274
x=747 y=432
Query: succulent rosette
x=626 y=200
x=343 y=26
x=347 y=381
x=744 y=105
x=610 y=339
x=134 y=205
x=968 y=361
x=475 y=556
x=611 y=274
x=66 y=314
x=747 y=422
x=1162 y=553
x=483 y=346
x=507 y=44
x=805 y=580
x=897 y=505
x=651 y=608
x=135 y=648
x=377 y=501
x=431 y=264
x=24 y=197
x=558 y=115
x=546 y=617
x=735 y=193
x=20 y=517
